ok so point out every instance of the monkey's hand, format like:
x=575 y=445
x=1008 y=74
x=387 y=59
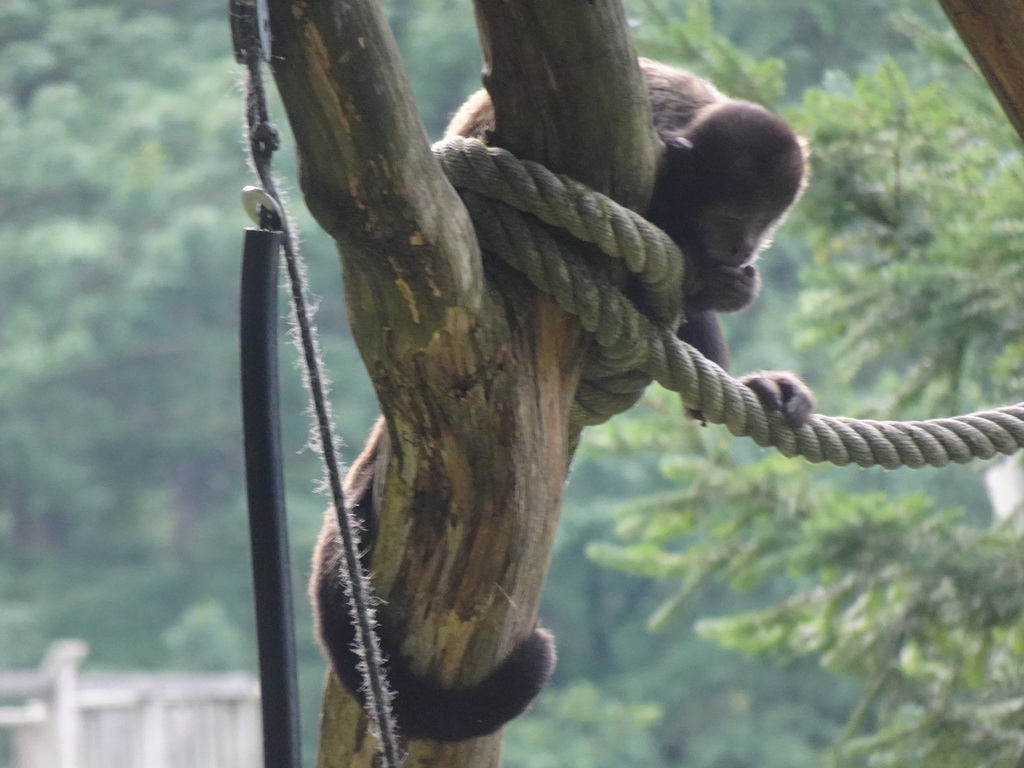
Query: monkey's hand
x=721 y=287
x=785 y=392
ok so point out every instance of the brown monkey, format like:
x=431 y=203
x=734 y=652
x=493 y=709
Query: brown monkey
x=729 y=174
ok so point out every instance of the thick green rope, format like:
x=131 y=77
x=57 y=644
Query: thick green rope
x=565 y=203
x=633 y=351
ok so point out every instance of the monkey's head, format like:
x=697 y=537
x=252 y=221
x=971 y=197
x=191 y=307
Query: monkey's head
x=726 y=182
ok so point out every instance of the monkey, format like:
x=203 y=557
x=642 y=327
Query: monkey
x=729 y=172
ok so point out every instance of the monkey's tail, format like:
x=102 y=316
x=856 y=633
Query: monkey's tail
x=422 y=708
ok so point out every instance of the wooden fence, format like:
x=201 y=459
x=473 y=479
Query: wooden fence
x=57 y=717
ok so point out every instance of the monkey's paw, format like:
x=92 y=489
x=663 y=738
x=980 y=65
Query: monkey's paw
x=785 y=392
x=722 y=288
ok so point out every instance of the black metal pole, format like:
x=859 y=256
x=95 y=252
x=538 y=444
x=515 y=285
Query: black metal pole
x=268 y=532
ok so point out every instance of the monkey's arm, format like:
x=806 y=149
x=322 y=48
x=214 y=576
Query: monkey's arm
x=703 y=332
x=423 y=709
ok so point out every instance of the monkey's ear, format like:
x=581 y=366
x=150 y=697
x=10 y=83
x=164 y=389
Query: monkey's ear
x=677 y=165
x=679 y=142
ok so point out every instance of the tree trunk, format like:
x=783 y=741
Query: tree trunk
x=993 y=31
x=475 y=380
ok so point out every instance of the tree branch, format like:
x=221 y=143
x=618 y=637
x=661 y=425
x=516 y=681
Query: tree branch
x=993 y=31
x=476 y=383
x=567 y=92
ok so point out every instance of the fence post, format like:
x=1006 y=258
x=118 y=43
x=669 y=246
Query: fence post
x=61 y=667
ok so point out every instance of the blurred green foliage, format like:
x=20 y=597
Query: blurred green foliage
x=908 y=247
x=894 y=618
x=915 y=224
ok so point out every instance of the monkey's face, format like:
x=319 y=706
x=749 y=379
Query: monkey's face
x=711 y=224
x=731 y=176
x=731 y=233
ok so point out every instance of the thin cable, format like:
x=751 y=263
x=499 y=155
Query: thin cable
x=263 y=140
